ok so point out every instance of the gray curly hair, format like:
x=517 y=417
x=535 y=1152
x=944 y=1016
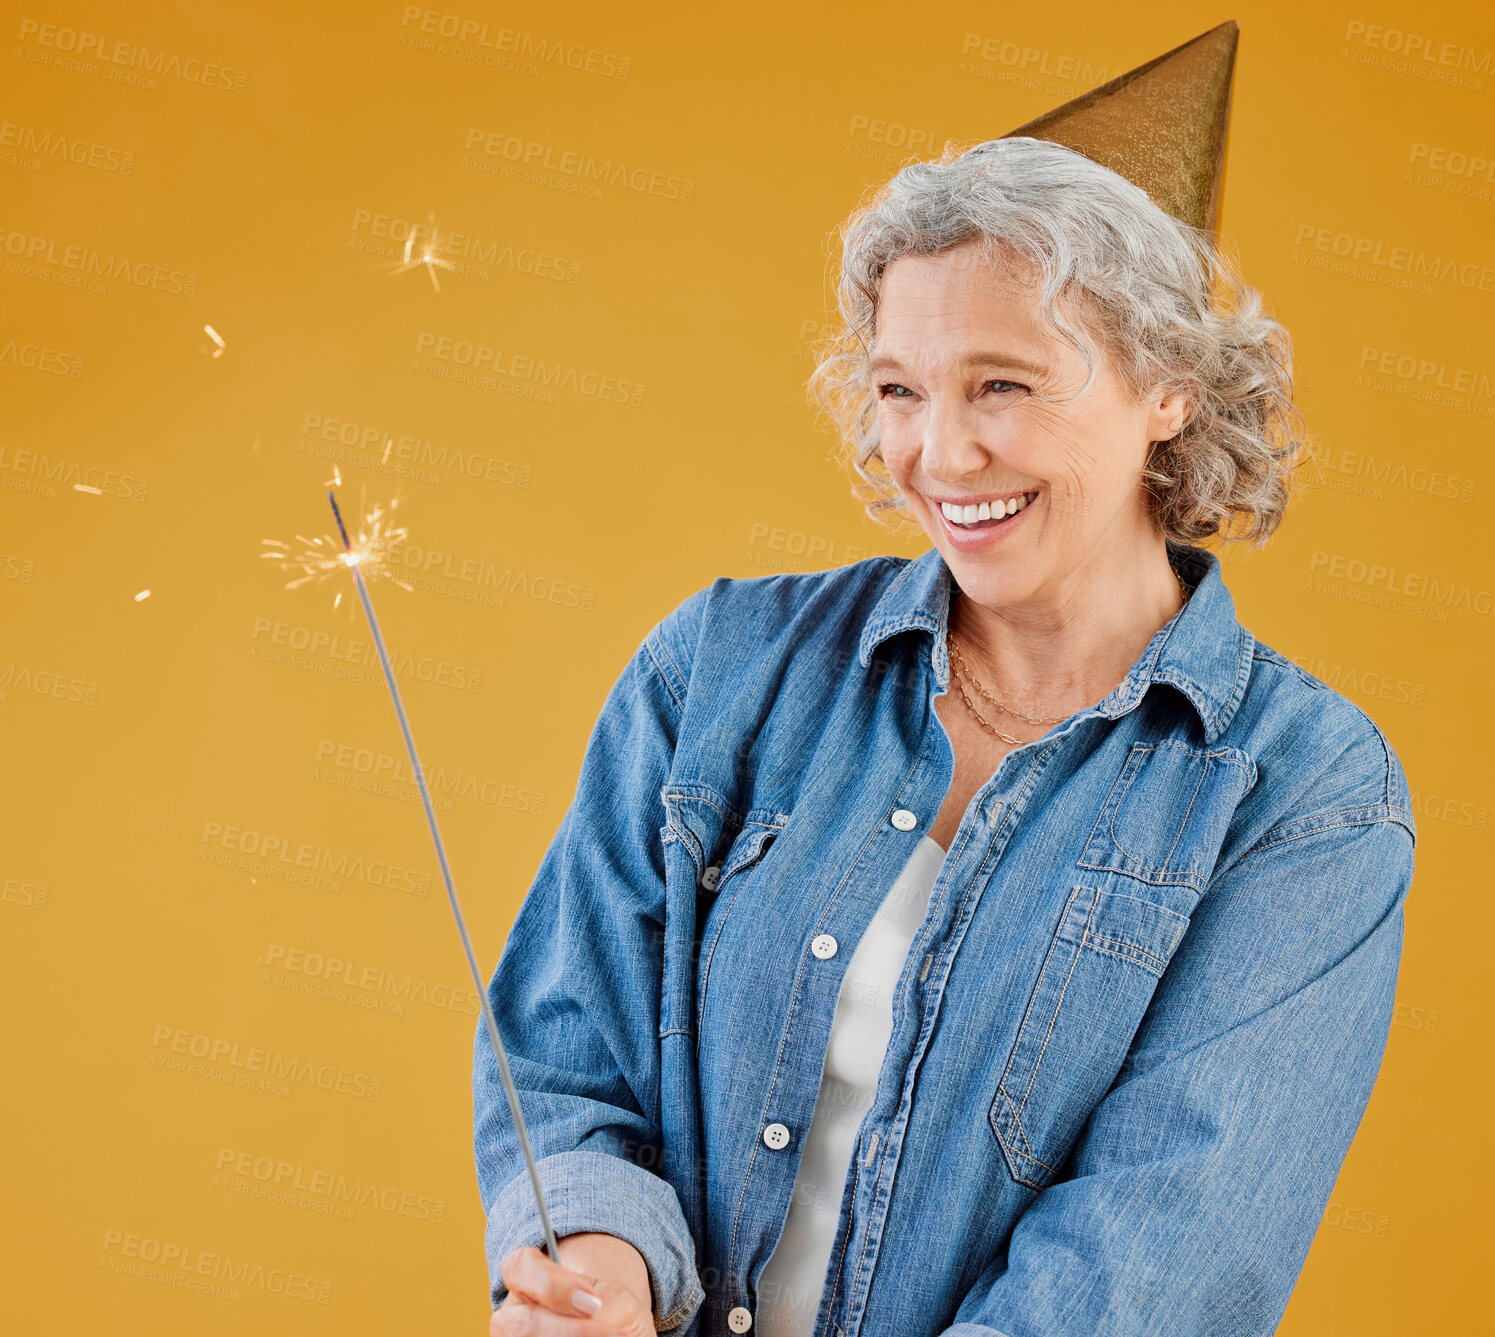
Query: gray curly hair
x=1165 y=302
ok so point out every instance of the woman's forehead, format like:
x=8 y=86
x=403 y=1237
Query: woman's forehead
x=986 y=319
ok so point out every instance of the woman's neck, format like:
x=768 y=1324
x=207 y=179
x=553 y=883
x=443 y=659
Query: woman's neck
x=1067 y=649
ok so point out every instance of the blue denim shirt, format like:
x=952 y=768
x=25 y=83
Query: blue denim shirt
x=1132 y=1040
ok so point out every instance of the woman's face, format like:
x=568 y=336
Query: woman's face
x=965 y=375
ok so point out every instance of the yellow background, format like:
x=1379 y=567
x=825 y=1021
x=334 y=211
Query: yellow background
x=138 y=733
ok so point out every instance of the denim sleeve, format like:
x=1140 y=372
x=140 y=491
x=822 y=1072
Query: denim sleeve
x=1192 y=1196
x=577 y=998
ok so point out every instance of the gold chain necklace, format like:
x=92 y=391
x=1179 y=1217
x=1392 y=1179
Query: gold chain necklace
x=968 y=674
x=981 y=719
x=961 y=671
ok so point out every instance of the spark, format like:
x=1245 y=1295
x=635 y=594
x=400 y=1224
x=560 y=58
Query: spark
x=427 y=256
x=144 y=594
x=216 y=338
x=370 y=549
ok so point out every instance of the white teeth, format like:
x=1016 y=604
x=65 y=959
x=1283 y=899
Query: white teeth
x=969 y=515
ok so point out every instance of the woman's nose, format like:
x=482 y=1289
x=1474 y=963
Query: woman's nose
x=950 y=445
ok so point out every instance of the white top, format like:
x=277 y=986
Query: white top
x=790 y=1288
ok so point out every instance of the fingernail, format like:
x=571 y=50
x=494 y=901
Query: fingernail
x=586 y=1302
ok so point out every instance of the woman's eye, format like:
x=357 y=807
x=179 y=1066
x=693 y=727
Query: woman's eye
x=892 y=390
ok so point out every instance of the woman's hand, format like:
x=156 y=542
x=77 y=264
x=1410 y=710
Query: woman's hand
x=601 y=1290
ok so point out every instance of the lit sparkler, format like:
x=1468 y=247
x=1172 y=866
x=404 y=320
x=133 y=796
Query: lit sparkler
x=367 y=559
x=319 y=558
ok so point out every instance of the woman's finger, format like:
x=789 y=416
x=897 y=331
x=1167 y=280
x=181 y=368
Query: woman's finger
x=623 y=1314
x=529 y=1273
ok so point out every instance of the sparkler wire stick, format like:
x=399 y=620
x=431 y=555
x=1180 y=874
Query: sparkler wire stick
x=451 y=892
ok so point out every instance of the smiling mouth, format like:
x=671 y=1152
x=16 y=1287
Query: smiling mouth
x=986 y=515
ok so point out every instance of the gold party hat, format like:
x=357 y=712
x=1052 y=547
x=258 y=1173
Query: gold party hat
x=1162 y=125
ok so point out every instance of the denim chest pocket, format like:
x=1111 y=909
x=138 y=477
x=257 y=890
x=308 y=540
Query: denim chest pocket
x=1098 y=976
x=1156 y=839
x=722 y=844
x=1168 y=812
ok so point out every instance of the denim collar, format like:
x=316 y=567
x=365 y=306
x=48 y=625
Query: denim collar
x=1202 y=650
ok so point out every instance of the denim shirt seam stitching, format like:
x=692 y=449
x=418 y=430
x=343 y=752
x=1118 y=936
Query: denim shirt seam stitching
x=657 y=652
x=711 y=954
x=1403 y=817
x=693 y=1301
x=1246 y=643
x=1183 y=826
x=921 y=937
x=1030 y=782
x=1366 y=814
x=983 y=874
x=1130 y=951
x=1025 y=1152
x=1023 y=1024
x=856 y=1277
x=1039 y=762
x=1059 y=1002
x=1386 y=753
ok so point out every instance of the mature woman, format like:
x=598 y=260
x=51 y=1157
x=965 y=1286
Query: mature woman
x=997 y=942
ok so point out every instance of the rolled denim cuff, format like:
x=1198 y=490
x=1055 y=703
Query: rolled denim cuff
x=586 y=1191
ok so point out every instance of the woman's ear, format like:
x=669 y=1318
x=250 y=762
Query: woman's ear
x=1168 y=416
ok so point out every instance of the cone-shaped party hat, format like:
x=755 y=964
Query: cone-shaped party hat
x=1162 y=125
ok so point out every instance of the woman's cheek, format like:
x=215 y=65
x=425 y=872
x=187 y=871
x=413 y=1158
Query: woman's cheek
x=898 y=437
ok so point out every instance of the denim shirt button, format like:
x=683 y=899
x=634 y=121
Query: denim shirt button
x=708 y=878
x=904 y=820
x=739 y=1320
x=776 y=1136
x=824 y=947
